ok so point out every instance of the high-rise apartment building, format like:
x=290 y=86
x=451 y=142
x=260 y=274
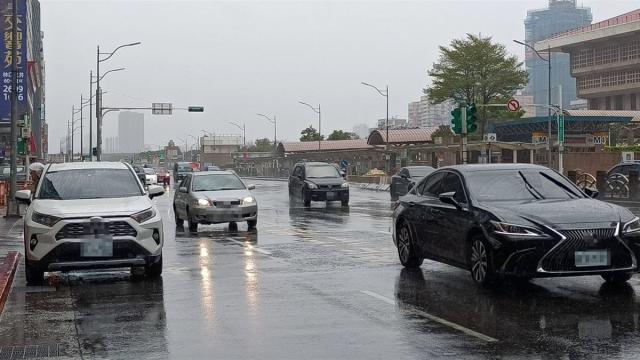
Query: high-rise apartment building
x=561 y=15
x=424 y=114
x=362 y=130
x=130 y=132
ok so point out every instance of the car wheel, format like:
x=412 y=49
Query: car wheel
x=233 y=226
x=406 y=248
x=33 y=273
x=481 y=262
x=252 y=223
x=307 y=202
x=616 y=278
x=155 y=269
x=179 y=222
x=193 y=225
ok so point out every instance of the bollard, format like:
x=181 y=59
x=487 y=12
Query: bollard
x=573 y=176
x=633 y=185
x=601 y=183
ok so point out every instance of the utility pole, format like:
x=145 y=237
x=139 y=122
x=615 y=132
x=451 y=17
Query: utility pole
x=73 y=111
x=13 y=209
x=81 y=133
x=560 y=118
x=98 y=109
x=90 y=115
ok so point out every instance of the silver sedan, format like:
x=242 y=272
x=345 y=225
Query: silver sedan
x=213 y=197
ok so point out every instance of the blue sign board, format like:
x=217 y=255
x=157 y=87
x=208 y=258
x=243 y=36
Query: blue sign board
x=344 y=164
x=7 y=59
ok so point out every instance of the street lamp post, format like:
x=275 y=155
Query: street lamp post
x=244 y=133
x=275 y=144
x=384 y=93
x=317 y=111
x=548 y=61
x=98 y=97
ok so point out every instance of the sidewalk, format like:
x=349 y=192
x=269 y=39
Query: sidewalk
x=10 y=235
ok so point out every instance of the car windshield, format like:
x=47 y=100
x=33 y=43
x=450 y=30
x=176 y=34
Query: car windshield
x=149 y=171
x=322 y=171
x=185 y=168
x=502 y=185
x=89 y=184
x=420 y=172
x=217 y=182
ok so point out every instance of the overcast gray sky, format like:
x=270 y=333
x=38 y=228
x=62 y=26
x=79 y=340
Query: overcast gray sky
x=239 y=58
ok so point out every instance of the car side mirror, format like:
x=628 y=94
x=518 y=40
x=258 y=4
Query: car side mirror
x=23 y=196
x=251 y=187
x=183 y=189
x=155 y=190
x=448 y=198
x=404 y=176
x=410 y=186
x=591 y=192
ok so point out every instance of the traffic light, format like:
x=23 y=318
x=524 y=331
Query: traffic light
x=196 y=109
x=456 y=121
x=94 y=151
x=472 y=118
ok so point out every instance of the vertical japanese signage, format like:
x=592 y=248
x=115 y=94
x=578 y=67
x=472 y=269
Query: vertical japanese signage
x=21 y=57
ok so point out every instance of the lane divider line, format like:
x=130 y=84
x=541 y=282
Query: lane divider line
x=249 y=246
x=434 y=318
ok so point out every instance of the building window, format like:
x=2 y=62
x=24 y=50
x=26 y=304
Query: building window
x=632 y=100
x=607 y=103
x=619 y=105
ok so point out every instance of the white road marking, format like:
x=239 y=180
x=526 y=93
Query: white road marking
x=434 y=318
x=249 y=246
x=16 y=229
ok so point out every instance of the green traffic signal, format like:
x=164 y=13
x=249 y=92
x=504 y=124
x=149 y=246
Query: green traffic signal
x=456 y=121
x=196 y=108
x=472 y=118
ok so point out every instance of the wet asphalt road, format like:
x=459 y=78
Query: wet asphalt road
x=319 y=283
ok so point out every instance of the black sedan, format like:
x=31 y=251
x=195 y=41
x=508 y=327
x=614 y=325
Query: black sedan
x=407 y=177
x=514 y=220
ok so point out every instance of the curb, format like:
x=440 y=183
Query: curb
x=7 y=271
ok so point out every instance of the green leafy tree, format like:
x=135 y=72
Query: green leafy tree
x=443 y=131
x=476 y=70
x=261 y=145
x=310 y=134
x=339 y=135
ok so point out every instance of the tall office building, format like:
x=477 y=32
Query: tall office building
x=424 y=114
x=130 y=132
x=561 y=15
x=412 y=117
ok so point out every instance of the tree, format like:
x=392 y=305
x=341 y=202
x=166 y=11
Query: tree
x=339 y=135
x=261 y=145
x=475 y=70
x=310 y=134
x=443 y=131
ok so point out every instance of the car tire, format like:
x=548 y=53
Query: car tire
x=406 y=247
x=345 y=202
x=252 y=223
x=179 y=222
x=155 y=269
x=305 y=201
x=616 y=278
x=33 y=273
x=481 y=262
x=193 y=225
x=233 y=226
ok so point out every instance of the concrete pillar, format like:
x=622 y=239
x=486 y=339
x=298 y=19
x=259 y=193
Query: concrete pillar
x=515 y=155
x=531 y=156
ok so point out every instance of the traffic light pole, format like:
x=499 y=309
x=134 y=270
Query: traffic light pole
x=463 y=135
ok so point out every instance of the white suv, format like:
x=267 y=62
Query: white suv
x=91 y=215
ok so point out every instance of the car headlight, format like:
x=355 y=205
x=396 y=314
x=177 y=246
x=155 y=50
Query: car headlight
x=202 y=202
x=515 y=230
x=144 y=215
x=312 y=186
x=345 y=185
x=42 y=219
x=248 y=200
x=631 y=226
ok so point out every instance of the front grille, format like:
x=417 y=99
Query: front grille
x=329 y=187
x=223 y=204
x=122 y=249
x=79 y=230
x=562 y=257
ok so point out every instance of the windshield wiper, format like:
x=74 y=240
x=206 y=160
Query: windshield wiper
x=536 y=194
x=563 y=186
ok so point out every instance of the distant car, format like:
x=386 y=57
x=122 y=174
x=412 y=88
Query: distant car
x=164 y=176
x=180 y=169
x=318 y=181
x=624 y=168
x=139 y=170
x=91 y=215
x=212 y=198
x=406 y=178
x=514 y=220
x=151 y=178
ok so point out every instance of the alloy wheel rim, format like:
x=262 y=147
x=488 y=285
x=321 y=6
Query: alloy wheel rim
x=478 y=261
x=403 y=243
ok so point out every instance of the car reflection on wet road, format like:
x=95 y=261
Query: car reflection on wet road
x=323 y=282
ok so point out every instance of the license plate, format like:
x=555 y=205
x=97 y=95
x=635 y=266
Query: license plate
x=592 y=258
x=330 y=195
x=99 y=247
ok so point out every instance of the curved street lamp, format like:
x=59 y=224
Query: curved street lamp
x=317 y=111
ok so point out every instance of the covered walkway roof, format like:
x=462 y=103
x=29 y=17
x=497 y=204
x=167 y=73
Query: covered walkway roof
x=402 y=136
x=326 y=145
